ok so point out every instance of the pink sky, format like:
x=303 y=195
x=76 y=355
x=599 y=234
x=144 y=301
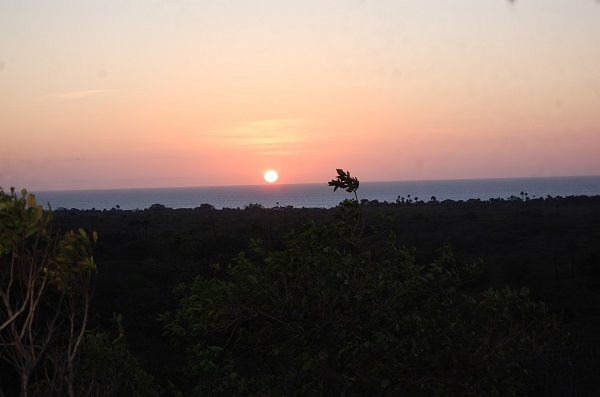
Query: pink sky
x=161 y=94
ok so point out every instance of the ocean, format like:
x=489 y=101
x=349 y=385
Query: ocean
x=318 y=195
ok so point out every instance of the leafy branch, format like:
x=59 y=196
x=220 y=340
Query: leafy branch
x=345 y=181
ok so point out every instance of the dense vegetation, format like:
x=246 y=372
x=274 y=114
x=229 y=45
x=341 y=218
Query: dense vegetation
x=406 y=298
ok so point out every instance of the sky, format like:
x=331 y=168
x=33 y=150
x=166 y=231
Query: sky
x=130 y=94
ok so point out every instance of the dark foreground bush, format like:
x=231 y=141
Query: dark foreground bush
x=340 y=311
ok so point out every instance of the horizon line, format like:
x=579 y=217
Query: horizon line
x=309 y=183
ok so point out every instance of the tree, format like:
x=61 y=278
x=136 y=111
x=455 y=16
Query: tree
x=46 y=285
x=340 y=311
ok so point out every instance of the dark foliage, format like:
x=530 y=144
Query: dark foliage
x=548 y=245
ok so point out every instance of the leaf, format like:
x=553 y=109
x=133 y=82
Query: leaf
x=308 y=364
x=385 y=383
x=252 y=279
x=32 y=231
x=31 y=203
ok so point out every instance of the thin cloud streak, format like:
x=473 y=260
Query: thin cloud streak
x=79 y=94
x=268 y=137
x=75 y=94
x=69 y=95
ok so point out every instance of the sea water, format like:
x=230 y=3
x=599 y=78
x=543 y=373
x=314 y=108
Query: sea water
x=320 y=195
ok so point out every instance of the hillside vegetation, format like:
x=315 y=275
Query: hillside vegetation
x=407 y=298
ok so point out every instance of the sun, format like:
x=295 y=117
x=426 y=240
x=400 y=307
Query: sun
x=271 y=176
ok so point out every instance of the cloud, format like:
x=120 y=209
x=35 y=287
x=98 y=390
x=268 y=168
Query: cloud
x=270 y=136
x=69 y=95
x=78 y=94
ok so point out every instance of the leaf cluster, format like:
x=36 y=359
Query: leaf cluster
x=343 y=180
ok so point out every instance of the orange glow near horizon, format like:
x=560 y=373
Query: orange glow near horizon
x=170 y=95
